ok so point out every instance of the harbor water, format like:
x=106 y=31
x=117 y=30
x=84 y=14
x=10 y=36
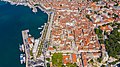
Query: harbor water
x=14 y=19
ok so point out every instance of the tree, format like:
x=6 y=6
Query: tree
x=48 y=64
x=98 y=31
x=106 y=6
x=112 y=45
x=88 y=16
x=71 y=65
x=116 y=4
x=54 y=47
x=115 y=15
x=57 y=59
x=101 y=41
x=99 y=59
x=48 y=59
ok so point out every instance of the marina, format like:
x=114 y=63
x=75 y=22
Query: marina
x=14 y=19
x=31 y=50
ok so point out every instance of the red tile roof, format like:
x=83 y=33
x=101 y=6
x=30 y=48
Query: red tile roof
x=74 y=58
x=50 y=48
x=29 y=40
x=105 y=28
x=66 y=59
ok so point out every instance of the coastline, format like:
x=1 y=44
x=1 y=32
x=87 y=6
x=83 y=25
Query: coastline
x=14 y=19
x=44 y=39
x=43 y=36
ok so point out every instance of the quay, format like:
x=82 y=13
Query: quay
x=25 y=42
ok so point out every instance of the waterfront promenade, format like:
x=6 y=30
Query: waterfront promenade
x=51 y=15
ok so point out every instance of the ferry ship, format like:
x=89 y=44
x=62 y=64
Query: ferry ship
x=21 y=58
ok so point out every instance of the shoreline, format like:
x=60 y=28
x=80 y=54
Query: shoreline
x=34 y=8
x=43 y=36
x=79 y=43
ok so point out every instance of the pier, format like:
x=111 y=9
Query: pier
x=25 y=42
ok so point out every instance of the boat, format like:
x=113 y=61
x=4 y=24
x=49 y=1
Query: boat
x=34 y=10
x=23 y=48
x=39 y=28
x=21 y=58
x=29 y=35
x=42 y=26
x=40 y=32
x=20 y=47
x=24 y=58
